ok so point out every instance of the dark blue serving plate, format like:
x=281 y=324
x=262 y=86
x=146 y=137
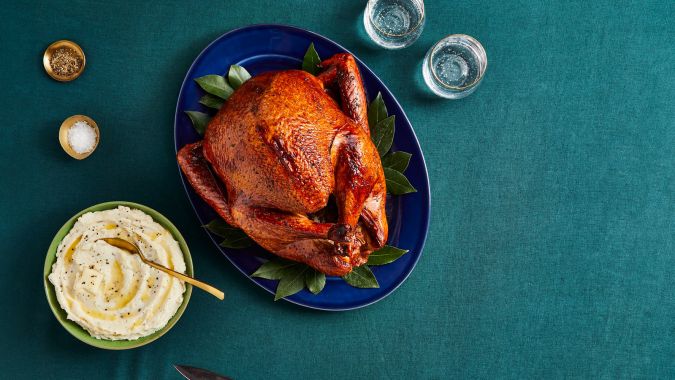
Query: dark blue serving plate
x=260 y=48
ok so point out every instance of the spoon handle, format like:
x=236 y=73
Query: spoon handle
x=201 y=285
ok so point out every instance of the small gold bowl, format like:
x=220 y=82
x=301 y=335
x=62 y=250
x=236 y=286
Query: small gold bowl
x=47 y=57
x=63 y=135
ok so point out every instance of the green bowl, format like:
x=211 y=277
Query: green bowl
x=73 y=328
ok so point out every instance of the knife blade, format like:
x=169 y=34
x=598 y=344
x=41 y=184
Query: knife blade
x=194 y=373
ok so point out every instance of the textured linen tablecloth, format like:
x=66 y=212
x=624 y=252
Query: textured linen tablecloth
x=550 y=252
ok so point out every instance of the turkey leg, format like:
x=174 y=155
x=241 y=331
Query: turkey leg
x=359 y=185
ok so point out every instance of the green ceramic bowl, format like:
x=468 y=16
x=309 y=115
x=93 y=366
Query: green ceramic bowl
x=75 y=329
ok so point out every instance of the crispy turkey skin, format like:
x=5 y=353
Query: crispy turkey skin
x=277 y=150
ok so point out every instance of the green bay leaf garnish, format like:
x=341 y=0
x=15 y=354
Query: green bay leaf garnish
x=397 y=183
x=292 y=282
x=211 y=101
x=237 y=240
x=274 y=269
x=377 y=111
x=311 y=61
x=232 y=237
x=237 y=76
x=361 y=277
x=292 y=276
x=199 y=120
x=383 y=134
x=385 y=255
x=315 y=281
x=219 y=227
x=215 y=85
x=396 y=160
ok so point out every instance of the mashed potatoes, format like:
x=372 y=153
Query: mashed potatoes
x=110 y=292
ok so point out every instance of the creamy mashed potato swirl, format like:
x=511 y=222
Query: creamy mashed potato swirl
x=110 y=292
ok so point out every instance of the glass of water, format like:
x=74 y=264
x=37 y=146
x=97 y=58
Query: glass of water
x=394 y=24
x=454 y=66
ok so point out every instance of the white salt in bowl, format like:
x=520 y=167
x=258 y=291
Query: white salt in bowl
x=76 y=151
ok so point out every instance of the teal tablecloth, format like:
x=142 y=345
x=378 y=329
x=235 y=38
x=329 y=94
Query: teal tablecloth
x=551 y=248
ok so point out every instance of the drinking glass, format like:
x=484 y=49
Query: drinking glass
x=394 y=24
x=454 y=66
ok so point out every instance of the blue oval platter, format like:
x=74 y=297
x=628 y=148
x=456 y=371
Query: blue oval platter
x=261 y=48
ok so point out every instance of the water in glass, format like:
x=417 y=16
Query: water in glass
x=454 y=66
x=394 y=24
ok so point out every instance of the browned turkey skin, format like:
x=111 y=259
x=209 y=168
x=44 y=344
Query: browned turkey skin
x=277 y=150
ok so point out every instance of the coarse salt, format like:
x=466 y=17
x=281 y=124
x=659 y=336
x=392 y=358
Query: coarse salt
x=82 y=137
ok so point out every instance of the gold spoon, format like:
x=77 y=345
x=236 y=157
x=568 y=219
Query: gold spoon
x=133 y=249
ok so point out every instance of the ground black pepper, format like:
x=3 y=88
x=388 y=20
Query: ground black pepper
x=65 y=61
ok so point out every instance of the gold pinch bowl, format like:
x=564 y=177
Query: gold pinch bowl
x=63 y=135
x=48 y=56
x=76 y=330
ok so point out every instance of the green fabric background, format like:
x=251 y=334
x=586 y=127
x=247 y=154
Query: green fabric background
x=550 y=252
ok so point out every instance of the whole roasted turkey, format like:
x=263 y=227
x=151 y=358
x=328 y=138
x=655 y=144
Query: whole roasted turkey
x=280 y=146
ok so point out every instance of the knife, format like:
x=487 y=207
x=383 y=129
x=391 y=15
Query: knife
x=194 y=373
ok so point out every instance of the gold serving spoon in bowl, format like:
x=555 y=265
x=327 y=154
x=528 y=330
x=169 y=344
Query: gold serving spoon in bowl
x=133 y=249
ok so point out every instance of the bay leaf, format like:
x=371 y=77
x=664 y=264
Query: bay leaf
x=232 y=237
x=219 y=227
x=211 y=101
x=292 y=282
x=385 y=255
x=397 y=183
x=274 y=269
x=311 y=61
x=237 y=240
x=237 y=76
x=383 y=134
x=215 y=85
x=377 y=111
x=396 y=160
x=315 y=280
x=199 y=120
x=361 y=277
